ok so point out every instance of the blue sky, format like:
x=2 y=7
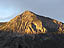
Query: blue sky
x=49 y=8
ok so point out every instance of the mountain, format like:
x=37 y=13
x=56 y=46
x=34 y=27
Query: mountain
x=35 y=31
x=31 y=23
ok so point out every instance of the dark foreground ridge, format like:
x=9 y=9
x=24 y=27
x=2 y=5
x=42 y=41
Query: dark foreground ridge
x=15 y=40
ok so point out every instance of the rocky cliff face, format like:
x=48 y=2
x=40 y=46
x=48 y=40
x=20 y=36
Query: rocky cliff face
x=31 y=23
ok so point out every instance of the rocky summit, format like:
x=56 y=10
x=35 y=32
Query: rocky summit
x=31 y=23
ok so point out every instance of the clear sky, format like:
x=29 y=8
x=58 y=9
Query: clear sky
x=50 y=8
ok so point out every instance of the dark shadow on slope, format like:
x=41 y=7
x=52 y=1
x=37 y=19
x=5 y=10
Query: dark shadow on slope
x=48 y=24
x=34 y=27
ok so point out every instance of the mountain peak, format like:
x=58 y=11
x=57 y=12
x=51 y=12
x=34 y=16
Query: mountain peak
x=27 y=13
x=27 y=22
x=31 y=23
